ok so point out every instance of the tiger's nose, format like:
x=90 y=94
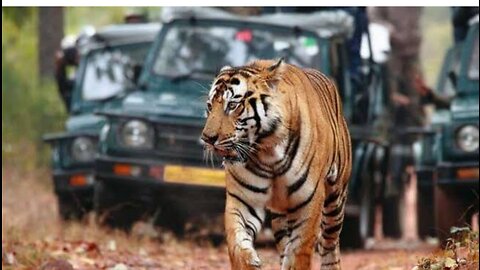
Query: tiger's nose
x=209 y=139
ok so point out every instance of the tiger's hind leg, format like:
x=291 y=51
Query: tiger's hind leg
x=331 y=226
x=329 y=240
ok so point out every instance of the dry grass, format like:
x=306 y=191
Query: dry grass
x=33 y=233
x=461 y=252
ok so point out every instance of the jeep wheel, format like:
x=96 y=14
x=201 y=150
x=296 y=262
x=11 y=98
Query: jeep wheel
x=70 y=209
x=172 y=219
x=425 y=212
x=367 y=208
x=450 y=210
x=393 y=216
x=359 y=227
x=350 y=237
x=114 y=208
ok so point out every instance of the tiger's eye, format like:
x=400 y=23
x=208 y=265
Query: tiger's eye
x=235 y=81
x=232 y=105
x=209 y=106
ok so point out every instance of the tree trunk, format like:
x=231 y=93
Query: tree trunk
x=50 y=34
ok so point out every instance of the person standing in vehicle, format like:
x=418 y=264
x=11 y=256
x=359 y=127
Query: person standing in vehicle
x=406 y=104
x=461 y=20
x=67 y=56
x=405 y=37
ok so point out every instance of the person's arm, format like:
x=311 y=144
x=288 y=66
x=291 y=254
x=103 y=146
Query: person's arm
x=428 y=96
x=60 y=70
x=432 y=98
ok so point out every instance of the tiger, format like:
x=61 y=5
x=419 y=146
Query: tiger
x=286 y=151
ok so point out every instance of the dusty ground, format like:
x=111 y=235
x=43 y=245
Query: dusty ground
x=33 y=236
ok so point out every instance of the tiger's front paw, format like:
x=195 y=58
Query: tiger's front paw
x=288 y=262
x=296 y=262
x=245 y=259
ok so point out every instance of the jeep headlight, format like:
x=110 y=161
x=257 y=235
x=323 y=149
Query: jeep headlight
x=467 y=138
x=137 y=134
x=83 y=149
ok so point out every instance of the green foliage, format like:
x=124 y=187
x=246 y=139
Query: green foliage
x=77 y=18
x=30 y=106
x=437 y=37
x=18 y=15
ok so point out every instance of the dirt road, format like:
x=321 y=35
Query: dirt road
x=113 y=252
x=32 y=236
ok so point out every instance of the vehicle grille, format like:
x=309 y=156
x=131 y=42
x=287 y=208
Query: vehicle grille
x=180 y=144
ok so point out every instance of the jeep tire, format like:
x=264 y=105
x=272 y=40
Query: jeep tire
x=70 y=208
x=451 y=209
x=425 y=212
x=357 y=229
x=392 y=216
x=115 y=207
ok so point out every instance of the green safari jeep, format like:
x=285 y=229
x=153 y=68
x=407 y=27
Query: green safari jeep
x=106 y=63
x=151 y=163
x=447 y=154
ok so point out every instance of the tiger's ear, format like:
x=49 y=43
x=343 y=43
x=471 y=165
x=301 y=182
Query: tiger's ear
x=275 y=74
x=275 y=66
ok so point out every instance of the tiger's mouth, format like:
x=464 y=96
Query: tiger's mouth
x=223 y=152
x=234 y=159
x=229 y=154
x=230 y=150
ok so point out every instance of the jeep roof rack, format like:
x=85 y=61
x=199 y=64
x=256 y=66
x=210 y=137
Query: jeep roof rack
x=119 y=34
x=325 y=23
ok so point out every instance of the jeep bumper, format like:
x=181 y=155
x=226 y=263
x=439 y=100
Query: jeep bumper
x=145 y=179
x=458 y=173
x=425 y=175
x=75 y=186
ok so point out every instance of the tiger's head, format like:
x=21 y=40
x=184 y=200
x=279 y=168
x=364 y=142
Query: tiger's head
x=243 y=110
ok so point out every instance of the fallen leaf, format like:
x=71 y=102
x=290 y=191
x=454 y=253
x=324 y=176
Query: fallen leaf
x=450 y=263
x=57 y=265
x=119 y=266
x=436 y=266
x=10 y=258
x=142 y=252
x=112 y=245
x=91 y=247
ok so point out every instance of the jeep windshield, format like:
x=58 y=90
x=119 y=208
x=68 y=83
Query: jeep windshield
x=109 y=71
x=201 y=50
